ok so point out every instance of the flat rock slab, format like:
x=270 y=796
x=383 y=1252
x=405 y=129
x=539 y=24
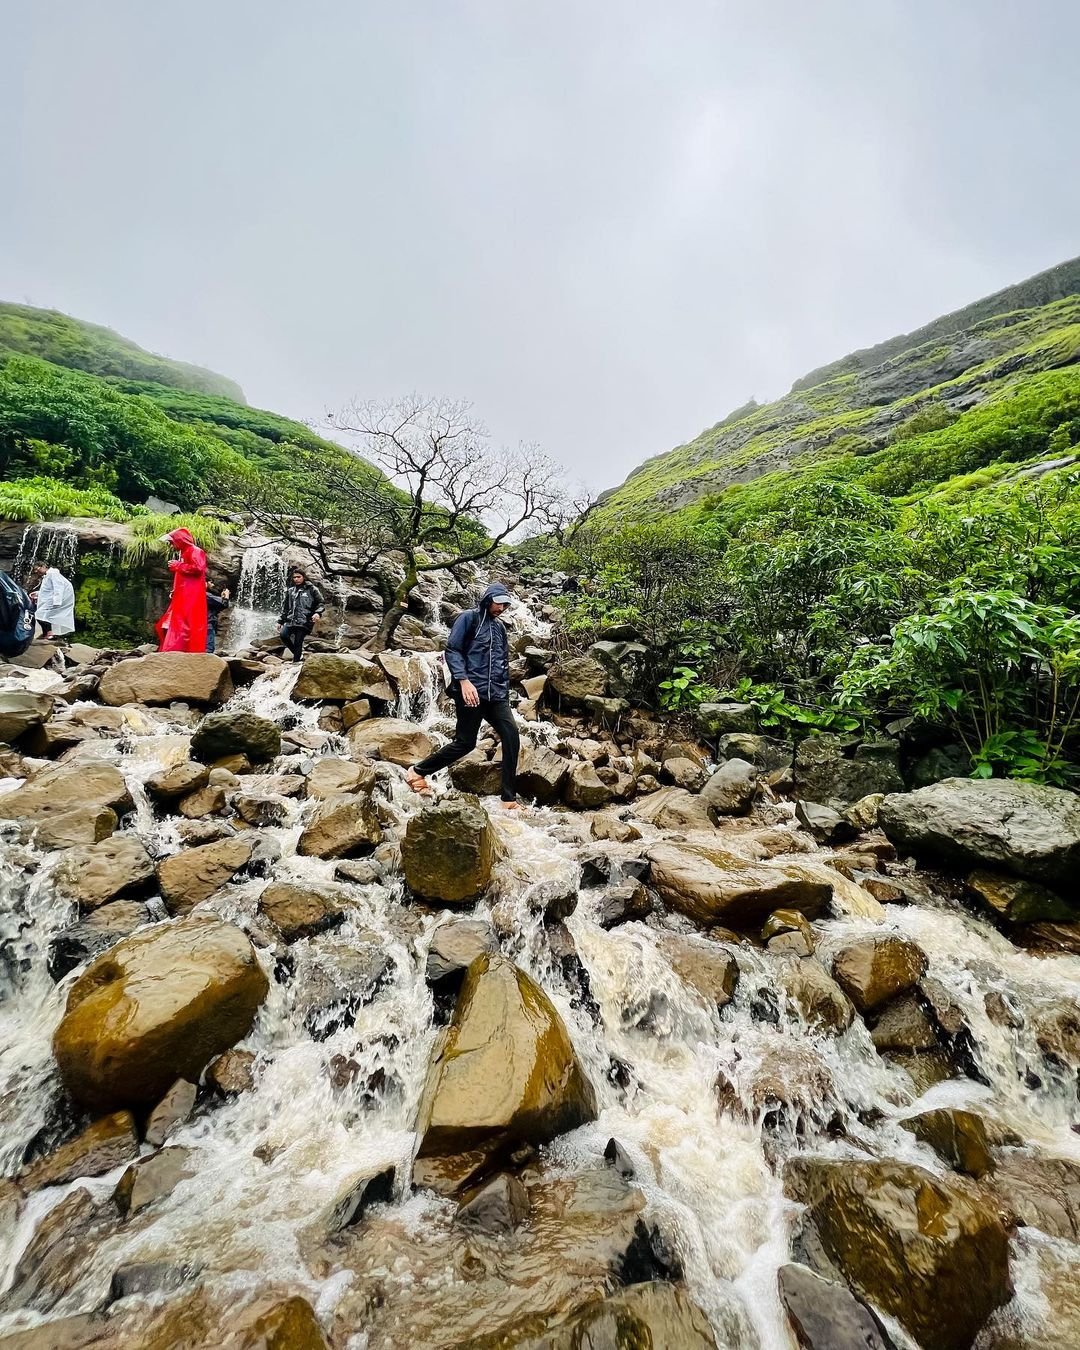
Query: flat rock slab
x=168 y=677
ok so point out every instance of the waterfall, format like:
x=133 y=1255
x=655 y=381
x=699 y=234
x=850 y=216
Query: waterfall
x=54 y=545
x=258 y=598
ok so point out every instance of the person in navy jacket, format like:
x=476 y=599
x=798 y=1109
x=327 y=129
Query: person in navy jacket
x=478 y=658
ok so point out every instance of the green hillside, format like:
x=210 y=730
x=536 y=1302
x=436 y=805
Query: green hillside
x=978 y=390
x=83 y=408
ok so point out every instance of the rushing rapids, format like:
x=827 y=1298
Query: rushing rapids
x=708 y=1095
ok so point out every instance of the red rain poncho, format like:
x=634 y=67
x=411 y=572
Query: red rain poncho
x=182 y=628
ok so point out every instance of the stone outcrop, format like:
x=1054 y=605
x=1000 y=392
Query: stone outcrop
x=504 y=1074
x=328 y=677
x=194 y=874
x=221 y=734
x=1024 y=829
x=448 y=851
x=168 y=677
x=155 y=1008
x=712 y=886
x=346 y=826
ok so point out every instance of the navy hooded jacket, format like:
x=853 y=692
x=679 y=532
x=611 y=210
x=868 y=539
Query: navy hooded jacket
x=478 y=650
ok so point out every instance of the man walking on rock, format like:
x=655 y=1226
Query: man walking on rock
x=478 y=658
x=300 y=611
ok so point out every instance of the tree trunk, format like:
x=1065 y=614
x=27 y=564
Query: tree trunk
x=395 y=606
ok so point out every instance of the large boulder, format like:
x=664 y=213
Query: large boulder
x=584 y=788
x=719 y=719
x=341 y=679
x=448 y=851
x=157 y=1007
x=624 y=663
x=65 y=788
x=221 y=734
x=707 y=967
x=930 y=1251
x=573 y=679
x=22 y=711
x=95 y=873
x=391 y=739
x=335 y=777
x=874 y=969
x=477 y=774
x=826 y=1316
x=194 y=874
x=1041 y=1193
x=167 y=677
x=503 y=1074
x=732 y=788
x=1019 y=901
x=712 y=886
x=675 y=808
x=1025 y=829
x=825 y=772
x=302 y=911
x=342 y=827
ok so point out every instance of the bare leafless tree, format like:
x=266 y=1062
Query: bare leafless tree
x=422 y=490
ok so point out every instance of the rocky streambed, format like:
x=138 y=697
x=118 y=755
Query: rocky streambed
x=678 y=1055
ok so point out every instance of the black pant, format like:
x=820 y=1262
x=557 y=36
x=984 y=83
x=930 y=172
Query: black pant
x=293 y=638
x=498 y=715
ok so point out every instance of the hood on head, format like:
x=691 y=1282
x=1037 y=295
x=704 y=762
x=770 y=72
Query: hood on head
x=496 y=588
x=181 y=538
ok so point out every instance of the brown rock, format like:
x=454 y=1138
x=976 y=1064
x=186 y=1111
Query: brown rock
x=259 y=810
x=957 y=1136
x=875 y=969
x=674 y=808
x=21 y=711
x=1041 y=1193
x=231 y=1073
x=448 y=850
x=335 y=777
x=584 y=788
x=302 y=911
x=95 y=873
x=157 y=1007
x=342 y=827
x=826 y=1316
x=818 y=997
x=611 y=827
x=904 y=1025
x=712 y=886
x=105 y=1144
x=708 y=968
x=173 y=1110
x=167 y=677
x=390 y=739
x=65 y=788
x=193 y=875
x=341 y=679
x=207 y=801
x=152 y=1178
x=179 y=781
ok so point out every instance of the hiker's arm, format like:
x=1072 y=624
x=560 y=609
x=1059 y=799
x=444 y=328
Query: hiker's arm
x=455 y=647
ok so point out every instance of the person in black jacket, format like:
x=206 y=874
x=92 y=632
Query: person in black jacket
x=478 y=658
x=300 y=611
x=216 y=601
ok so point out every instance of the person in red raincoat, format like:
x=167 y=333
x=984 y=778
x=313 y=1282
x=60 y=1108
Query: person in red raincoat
x=182 y=628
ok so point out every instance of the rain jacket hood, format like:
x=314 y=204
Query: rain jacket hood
x=182 y=628
x=478 y=649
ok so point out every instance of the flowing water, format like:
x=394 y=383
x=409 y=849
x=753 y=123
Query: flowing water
x=259 y=593
x=54 y=545
x=270 y=1164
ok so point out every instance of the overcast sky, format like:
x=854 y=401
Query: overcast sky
x=605 y=222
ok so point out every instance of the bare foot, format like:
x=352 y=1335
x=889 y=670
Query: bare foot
x=511 y=806
x=418 y=783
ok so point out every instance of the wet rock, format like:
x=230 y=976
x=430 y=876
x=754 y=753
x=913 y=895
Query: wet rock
x=611 y=827
x=875 y=969
x=1019 y=901
x=624 y=663
x=259 y=810
x=826 y=1316
x=341 y=679
x=624 y=902
x=1050 y=939
x=21 y=711
x=390 y=739
x=818 y=997
x=152 y=1178
x=58 y=1255
x=105 y=1144
x=96 y=873
x=790 y=923
x=477 y=774
x=1026 y=829
x=573 y=679
x=199 y=832
x=904 y=1025
x=357 y=711
x=585 y=789
x=712 y=886
x=149 y=1277
x=167 y=677
x=1041 y=1193
x=342 y=827
x=503 y=1074
x=179 y=781
x=497 y=1208
x=653 y=1314
x=455 y=945
x=825 y=773
x=358 y=1198
x=231 y=1073
x=448 y=851
x=826 y=825
x=542 y=775
x=617 y=1157
x=957 y=1136
x=208 y=801
x=732 y=788
x=96 y=933
x=336 y=777
x=673 y=808
x=929 y=1251
x=709 y=969
x=336 y=979
x=81 y=825
x=863 y=814
x=360 y=871
x=760 y=751
x=193 y=875
x=714 y=720
x=157 y=1007
x=221 y=734
x=65 y=788
x=302 y=911
x=173 y=1110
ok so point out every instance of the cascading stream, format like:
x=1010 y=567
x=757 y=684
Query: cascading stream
x=335 y=1099
x=259 y=594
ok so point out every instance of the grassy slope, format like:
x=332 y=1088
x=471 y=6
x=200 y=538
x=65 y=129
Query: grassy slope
x=972 y=365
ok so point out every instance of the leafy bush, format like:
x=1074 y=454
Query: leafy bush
x=38 y=499
x=145 y=535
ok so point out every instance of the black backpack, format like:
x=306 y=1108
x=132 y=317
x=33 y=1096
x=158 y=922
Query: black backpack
x=16 y=617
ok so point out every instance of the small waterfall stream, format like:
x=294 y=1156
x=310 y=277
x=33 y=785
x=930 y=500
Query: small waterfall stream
x=270 y=1163
x=259 y=593
x=54 y=545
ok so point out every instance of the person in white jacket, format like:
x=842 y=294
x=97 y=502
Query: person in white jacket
x=55 y=601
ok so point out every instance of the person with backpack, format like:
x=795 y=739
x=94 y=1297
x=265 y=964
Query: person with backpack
x=478 y=658
x=216 y=601
x=54 y=601
x=300 y=611
x=16 y=618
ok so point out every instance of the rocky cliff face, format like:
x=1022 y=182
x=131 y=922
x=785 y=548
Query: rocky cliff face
x=852 y=406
